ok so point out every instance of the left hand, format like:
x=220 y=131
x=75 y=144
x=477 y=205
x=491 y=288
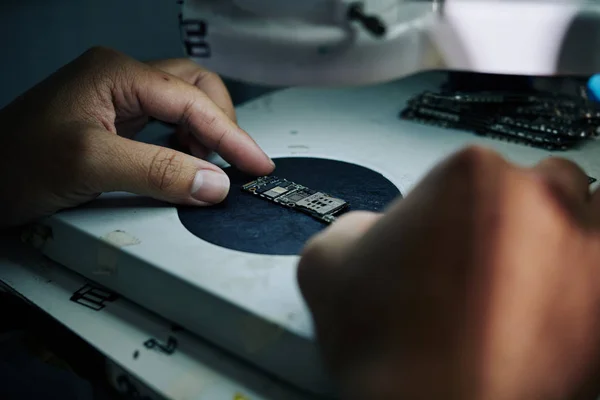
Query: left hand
x=69 y=138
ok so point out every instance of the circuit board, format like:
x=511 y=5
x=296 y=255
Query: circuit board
x=544 y=120
x=289 y=194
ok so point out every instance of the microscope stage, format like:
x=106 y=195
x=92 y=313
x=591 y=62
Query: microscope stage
x=227 y=274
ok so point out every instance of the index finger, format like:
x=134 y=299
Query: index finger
x=168 y=98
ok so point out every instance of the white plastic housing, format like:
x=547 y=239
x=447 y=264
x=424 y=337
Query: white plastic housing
x=312 y=42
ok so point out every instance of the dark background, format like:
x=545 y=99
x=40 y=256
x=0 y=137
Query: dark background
x=39 y=36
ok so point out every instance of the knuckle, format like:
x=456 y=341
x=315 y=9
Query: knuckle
x=551 y=207
x=210 y=123
x=110 y=67
x=558 y=197
x=475 y=157
x=562 y=164
x=101 y=56
x=562 y=176
x=165 y=170
x=476 y=178
x=187 y=114
x=100 y=52
x=107 y=59
x=201 y=73
x=475 y=166
x=205 y=75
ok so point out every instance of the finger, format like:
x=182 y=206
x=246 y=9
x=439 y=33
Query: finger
x=325 y=253
x=176 y=101
x=120 y=164
x=207 y=81
x=566 y=179
x=170 y=99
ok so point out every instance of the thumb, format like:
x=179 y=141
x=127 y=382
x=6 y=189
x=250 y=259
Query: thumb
x=121 y=164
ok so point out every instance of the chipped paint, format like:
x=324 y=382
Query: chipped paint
x=267 y=103
x=298 y=148
x=190 y=385
x=120 y=239
x=292 y=316
x=109 y=249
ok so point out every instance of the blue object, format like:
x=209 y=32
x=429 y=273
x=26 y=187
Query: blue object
x=593 y=87
x=244 y=222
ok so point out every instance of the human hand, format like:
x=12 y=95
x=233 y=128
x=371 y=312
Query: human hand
x=69 y=138
x=482 y=283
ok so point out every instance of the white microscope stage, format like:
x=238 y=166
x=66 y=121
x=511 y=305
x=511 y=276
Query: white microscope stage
x=248 y=303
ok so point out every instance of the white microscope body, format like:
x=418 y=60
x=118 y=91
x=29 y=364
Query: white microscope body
x=346 y=42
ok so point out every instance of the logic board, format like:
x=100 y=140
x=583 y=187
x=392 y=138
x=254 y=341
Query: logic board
x=543 y=120
x=286 y=193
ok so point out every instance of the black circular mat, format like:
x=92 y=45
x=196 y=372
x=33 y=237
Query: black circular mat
x=245 y=222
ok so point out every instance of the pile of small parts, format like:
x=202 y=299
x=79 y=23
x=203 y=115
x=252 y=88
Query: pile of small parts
x=544 y=120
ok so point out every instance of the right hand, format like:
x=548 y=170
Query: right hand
x=68 y=139
x=483 y=283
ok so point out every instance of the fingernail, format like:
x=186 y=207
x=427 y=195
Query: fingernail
x=210 y=186
x=272 y=163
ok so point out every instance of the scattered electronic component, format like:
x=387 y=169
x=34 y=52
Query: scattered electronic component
x=293 y=195
x=545 y=120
